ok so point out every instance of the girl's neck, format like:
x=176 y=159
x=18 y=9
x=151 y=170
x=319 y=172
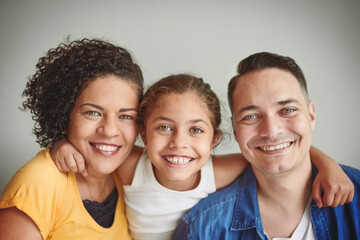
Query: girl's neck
x=190 y=183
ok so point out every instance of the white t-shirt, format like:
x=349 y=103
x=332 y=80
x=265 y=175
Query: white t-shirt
x=304 y=230
x=152 y=210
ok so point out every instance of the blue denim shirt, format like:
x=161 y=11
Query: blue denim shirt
x=233 y=213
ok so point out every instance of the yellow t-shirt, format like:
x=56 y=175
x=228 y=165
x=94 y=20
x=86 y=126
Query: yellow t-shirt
x=52 y=200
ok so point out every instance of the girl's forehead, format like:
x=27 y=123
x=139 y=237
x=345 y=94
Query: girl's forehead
x=180 y=105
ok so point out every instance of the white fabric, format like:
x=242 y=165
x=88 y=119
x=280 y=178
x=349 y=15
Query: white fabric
x=304 y=230
x=152 y=210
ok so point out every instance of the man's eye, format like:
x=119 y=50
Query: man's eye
x=288 y=110
x=164 y=128
x=250 y=117
x=196 y=130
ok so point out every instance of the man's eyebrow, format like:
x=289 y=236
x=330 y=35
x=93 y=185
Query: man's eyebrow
x=247 y=108
x=254 y=107
x=101 y=108
x=287 y=101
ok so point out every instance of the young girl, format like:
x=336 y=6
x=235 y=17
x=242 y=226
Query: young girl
x=179 y=120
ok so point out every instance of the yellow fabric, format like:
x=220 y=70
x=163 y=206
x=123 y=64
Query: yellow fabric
x=52 y=200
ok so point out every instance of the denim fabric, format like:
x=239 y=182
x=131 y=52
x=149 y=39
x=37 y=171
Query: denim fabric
x=233 y=213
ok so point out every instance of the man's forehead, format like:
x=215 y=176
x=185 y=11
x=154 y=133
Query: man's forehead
x=268 y=85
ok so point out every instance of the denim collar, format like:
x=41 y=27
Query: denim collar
x=246 y=212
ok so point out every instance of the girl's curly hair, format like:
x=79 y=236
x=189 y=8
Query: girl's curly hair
x=63 y=73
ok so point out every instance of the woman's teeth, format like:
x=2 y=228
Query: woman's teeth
x=276 y=147
x=178 y=160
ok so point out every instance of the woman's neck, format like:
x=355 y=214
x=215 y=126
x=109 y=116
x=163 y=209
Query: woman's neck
x=95 y=188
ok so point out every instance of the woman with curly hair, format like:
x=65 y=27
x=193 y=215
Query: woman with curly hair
x=88 y=90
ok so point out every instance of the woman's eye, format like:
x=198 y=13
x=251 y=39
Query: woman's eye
x=164 y=128
x=196 y=130
x=126 y=117
x=92 y=113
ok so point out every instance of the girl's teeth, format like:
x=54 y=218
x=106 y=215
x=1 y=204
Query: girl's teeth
x=272 y=148
x=106 y=148
x=178 y=160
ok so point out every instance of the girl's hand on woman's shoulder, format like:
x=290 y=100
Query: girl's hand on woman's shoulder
x=67 y=158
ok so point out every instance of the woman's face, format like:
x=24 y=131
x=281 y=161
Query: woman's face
x=102 y=123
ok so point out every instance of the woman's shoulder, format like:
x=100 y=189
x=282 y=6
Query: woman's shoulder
x=38 y=173
x=40 y=168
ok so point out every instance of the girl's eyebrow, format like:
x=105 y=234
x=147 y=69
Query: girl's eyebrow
x=161 y=118
x=197 y=120
x=101 y=108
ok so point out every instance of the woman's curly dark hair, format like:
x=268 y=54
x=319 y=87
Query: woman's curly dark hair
x=63 y=73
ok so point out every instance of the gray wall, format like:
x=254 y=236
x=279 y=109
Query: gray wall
x=206 y=38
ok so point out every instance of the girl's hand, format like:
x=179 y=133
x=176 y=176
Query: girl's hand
x=67 y=158
x=332 y=187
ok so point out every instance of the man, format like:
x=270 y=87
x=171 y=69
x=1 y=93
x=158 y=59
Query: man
x=272 y=119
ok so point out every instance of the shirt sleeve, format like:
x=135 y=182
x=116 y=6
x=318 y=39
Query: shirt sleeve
x=37 y=189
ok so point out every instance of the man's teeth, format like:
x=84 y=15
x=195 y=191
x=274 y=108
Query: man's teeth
x=178 y=160
x=106 y=148
x=276 y=147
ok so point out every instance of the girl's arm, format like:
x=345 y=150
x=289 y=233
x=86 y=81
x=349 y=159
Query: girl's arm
x=67 y=158
x=331 y=187
x=331 y=181
x=227 y=168
x=15 y=224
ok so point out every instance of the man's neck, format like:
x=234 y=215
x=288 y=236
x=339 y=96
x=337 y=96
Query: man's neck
x=283 y=199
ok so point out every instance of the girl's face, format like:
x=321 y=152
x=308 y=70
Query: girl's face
x=102 y=123
x=179 y=137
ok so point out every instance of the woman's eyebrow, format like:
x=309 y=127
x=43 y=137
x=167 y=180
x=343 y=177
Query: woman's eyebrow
x=128 y=109
x=101 y=108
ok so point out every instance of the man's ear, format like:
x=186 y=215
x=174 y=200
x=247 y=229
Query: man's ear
x=233 y=126
x=142 y=134
x=312 y=114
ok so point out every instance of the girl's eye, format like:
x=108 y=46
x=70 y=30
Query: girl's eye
x=126 y=117
x=92 y=113
x=196 y=130
x=164 y=128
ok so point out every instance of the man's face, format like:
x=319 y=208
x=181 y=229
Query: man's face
x=272 y=120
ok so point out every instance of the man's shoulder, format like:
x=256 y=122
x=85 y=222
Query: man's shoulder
x=353 y=174
x=221 y=199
